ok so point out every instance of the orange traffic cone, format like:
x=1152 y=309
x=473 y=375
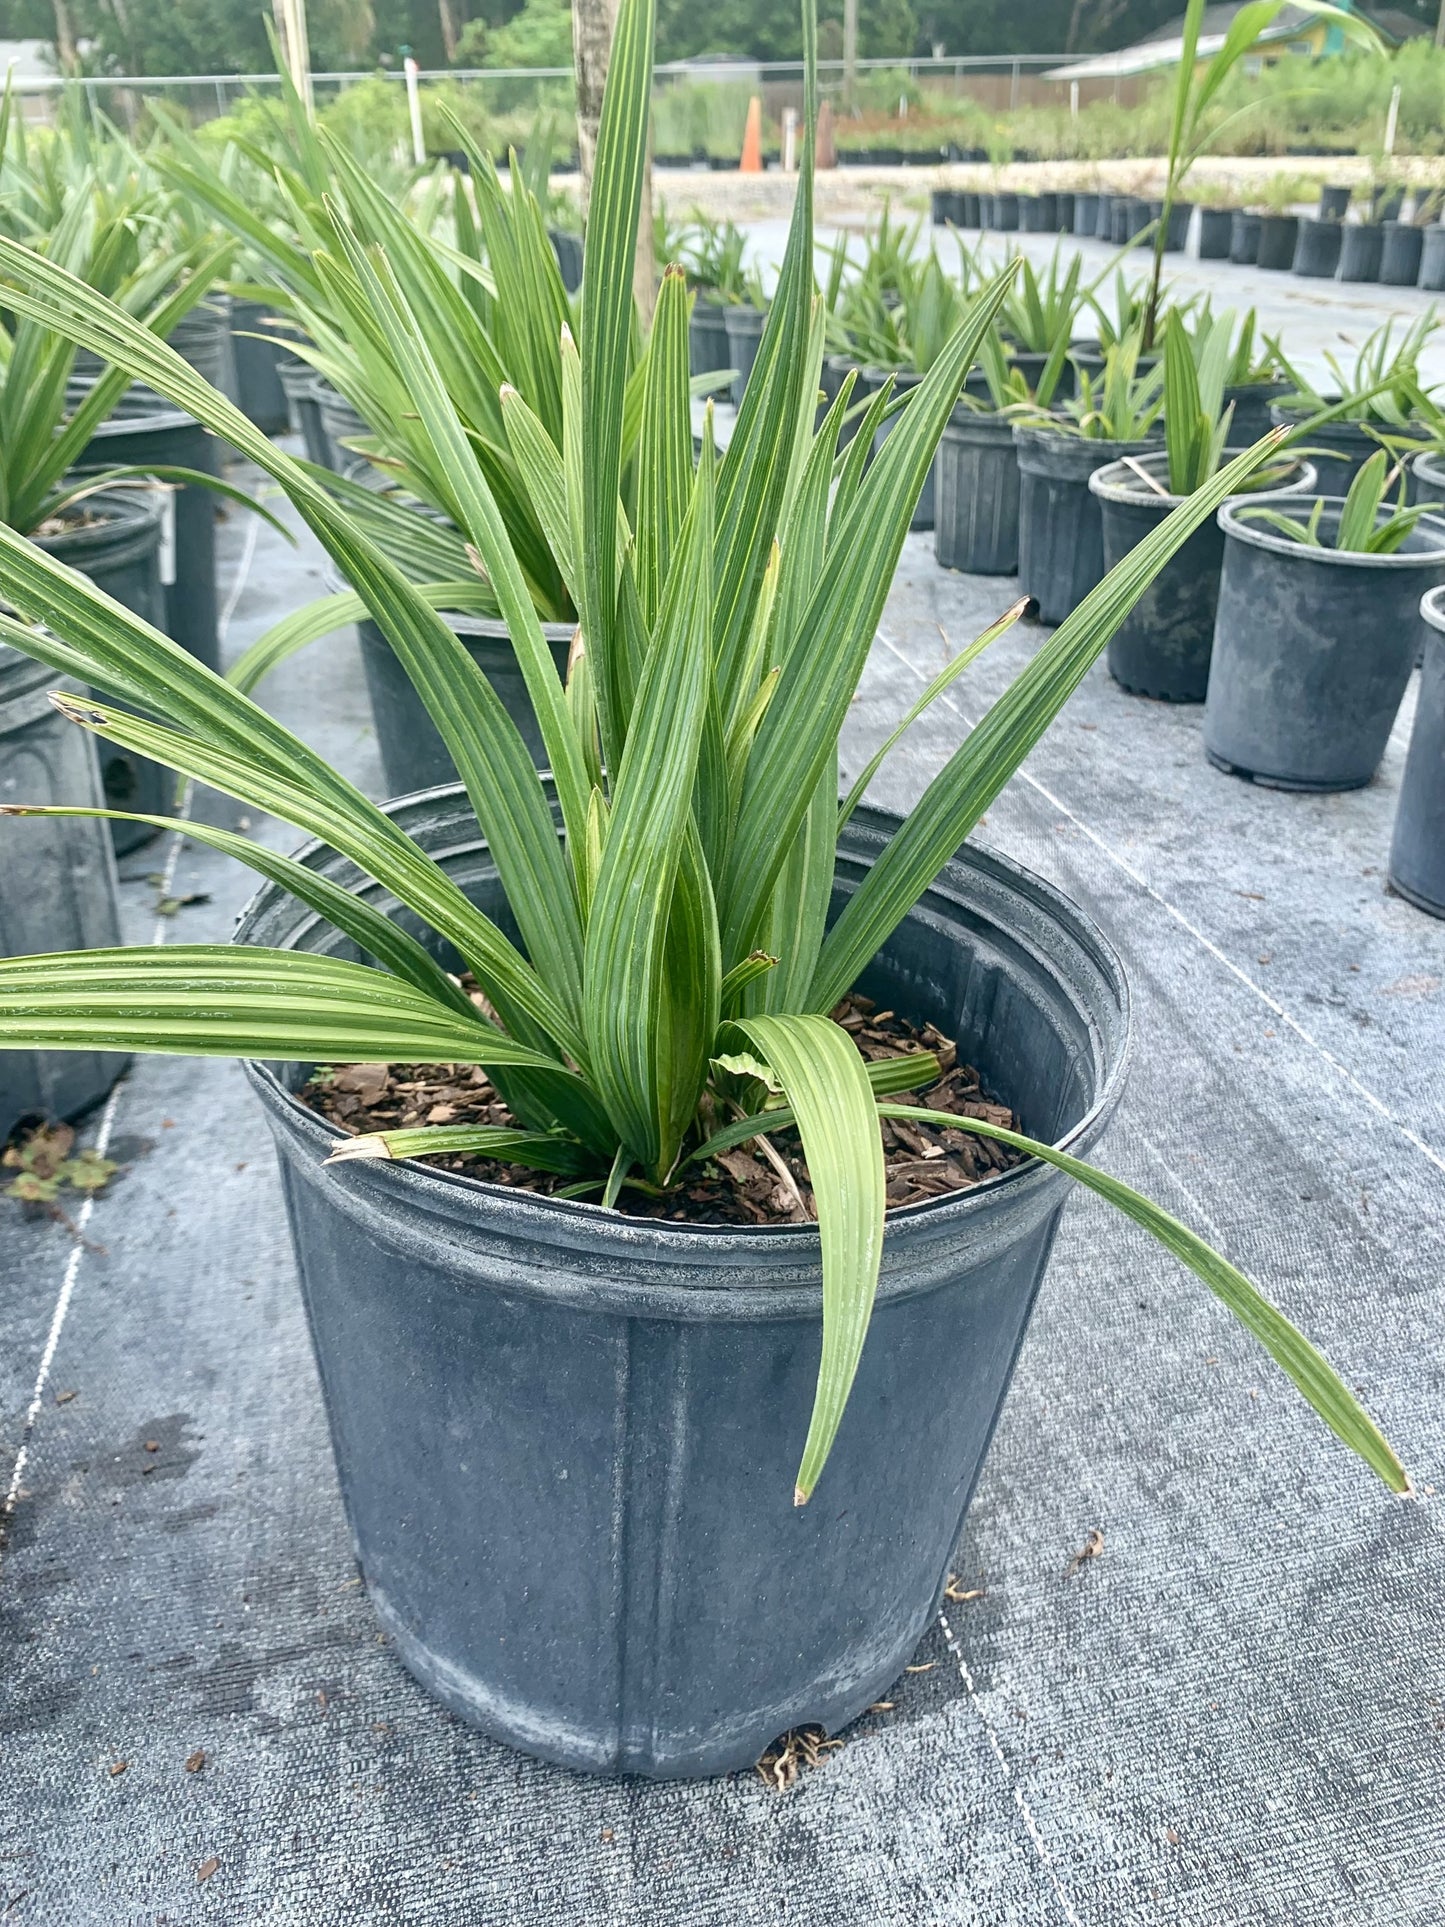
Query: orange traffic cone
x=752 y=160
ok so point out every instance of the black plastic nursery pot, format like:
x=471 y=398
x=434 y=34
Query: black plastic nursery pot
x=1119 y=227
x=568 y=250
x=903 y=381
x=57 y=879
x=976 y=495
x=1086 y=214
x=836 y=369
x=1427 y=479
x=744 y=327
x=1400 y=254
x=1340 y=449
x=1386 y=203
x=970 y=213
x=1216 y=227
x=340 y=426
x=259 y=394
x=118 y=545
x=1432 y=259
x=1361 y=245
x=1278 y=234
x=299 y=384
x=1417 y=849
x=1140 y=215
x=1252 y=402
x=1244 y=233
x=1312 y=651
x=1177 y=233
x=1005 y=212
x=707 y=337
x=1317 y=248
x=1334 y=202
x=1104 y=217
x=413 y=755
x=1061 y=531
x=1162 y=648
x=567 y=1438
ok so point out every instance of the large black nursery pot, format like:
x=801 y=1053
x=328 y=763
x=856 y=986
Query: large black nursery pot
x=1061 y=530
x=1086 y=214
x=300 y=384
x=254 y=351
x=57 y=879
x=1216 y=229
x=1278 y=234
x=568 y=250
x=1162 y=647
x=1312 y=651
x=1244 y=238
x=1427 y=478
x=1334 y=202
x=341 y=426
x=1120 y=229
x=1005 y=212
x=1252 y=402
x=1386 y=203
x=1317 y=247
x=1340 y=449
x=1361 y=244
x=1177 y=233
x=1417 y=849
x=1432 y=259
x=1400 y=254
x=1141 y=214
x=567 y=1438
x=836 y=369
x=1104 y=217
x=118 y=545
x=904 y=380
x=976 y=494
x=707 y=337
x=744 y=327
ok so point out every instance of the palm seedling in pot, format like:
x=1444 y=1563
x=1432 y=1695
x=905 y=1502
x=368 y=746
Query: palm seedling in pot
x=713 y=254
x=1061 y=532
x=1162 y=647
x=1379 y=402
x=638 y=968
x=1318 y=629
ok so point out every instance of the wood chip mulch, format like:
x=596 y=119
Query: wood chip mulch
x=741 y=1186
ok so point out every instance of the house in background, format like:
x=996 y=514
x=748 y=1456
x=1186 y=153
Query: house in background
x=1295 y=34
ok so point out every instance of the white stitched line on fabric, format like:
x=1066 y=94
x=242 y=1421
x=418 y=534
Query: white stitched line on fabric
x=1271 y=1004
x=112 y=1103
x=1025 y=1811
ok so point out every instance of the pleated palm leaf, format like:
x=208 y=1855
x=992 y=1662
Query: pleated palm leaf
x=674 y=947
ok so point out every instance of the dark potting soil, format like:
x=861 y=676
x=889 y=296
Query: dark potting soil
x=739 y=1187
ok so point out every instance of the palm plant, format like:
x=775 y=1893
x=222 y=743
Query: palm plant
x=1360 y=530
x=1197 y=417
x=1116 y=404
x=675 y=954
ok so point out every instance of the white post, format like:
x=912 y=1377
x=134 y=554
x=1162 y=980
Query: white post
x=297 y=46
x=1391 y=118
x=790 y=140
x=1073 y=100
x=413 y=101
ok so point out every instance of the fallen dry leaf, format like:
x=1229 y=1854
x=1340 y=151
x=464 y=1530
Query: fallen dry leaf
x=206 y=1869
x=1093 y=1546
x=195 y=1761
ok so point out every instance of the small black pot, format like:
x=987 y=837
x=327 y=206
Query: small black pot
x=1386 y=203
x=119 y=548
x=976 y=495
x=1334 y=202
x=1141 y=213
x=1086 y=214
x=1252 y=402
x=1427 y=479
x=1061 y=530
x=1005 y=212
x=1178 y=232
x=1417 y=849
x=1216 y=229
x=707 y=337
x=259 y=393
x=1278 y=234
x=1432 y=259
x=521 y=1387
x=1119 y=226
x=1361 y=245
x=1244 y=238
x=1312 y=651
x=970 y=213
x=903 y=380
x=941 y=206
x=1162 y=647
x=744 y=326
x=1400 y=255
x=1341 y=447
x=146 y=431
x=57 y=877
x=340 y=426
x=1317 y=248
x=298 y=384
x=1104 y=216
x=835 y=369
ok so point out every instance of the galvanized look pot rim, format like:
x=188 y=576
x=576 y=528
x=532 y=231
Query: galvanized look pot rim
x=1238 y=529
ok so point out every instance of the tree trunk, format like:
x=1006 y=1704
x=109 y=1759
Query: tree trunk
x=64 y=38
x=449 y=31
x=592 y=24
